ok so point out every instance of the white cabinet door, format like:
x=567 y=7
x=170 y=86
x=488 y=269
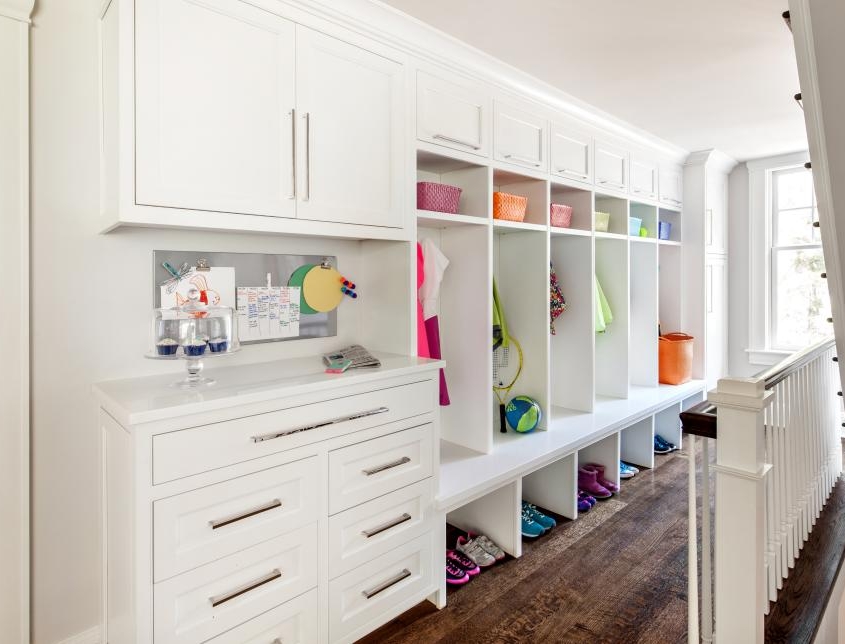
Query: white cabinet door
x=671 y=186
x=572 y=154
x=716 y=311
x=643 y=178
x=214 y=99
x=611 y=167
x=520 y=137
x=715 y=215
x=350 y=108
x=454 y=115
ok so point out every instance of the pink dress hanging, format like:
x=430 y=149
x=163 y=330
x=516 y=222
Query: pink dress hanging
x=422 y=337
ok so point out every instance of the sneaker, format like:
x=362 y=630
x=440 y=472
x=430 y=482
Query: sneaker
x=598 y=468
x=462 y=561
x=587 y=482
x=544 y=520
x=475 y=551
x=627 y=471
x=530 y=528
x=667 y=443
x=661 y=446
x=584 y=505
x=583 y=496
x=455 y=575
x=490 y=546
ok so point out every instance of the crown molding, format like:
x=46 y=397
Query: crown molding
x=713 y=158
x=20 y=10
x=779 y=161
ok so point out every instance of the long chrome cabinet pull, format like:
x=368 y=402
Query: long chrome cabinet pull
x=307 y=118
x=605 y=182
x=237 y=592
x=387 y=466
x=458 y=141
x=292 y=154
x=386 y=526
x=522 y=159
x=572 y=172
x=334 y=421
x=219 y=523
x=386 y=584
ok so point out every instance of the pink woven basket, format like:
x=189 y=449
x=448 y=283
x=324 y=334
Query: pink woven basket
x=438 y=197
x=560 y=215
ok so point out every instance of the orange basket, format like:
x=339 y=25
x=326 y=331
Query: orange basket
x=509 y=207
x=675 y=358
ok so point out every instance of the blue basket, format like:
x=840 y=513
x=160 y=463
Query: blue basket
x=664 y=230
x=634 y=224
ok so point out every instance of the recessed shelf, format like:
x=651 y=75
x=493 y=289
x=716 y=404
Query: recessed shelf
x=533 y=189
x=432 y=219
x=617 y=208
x=555 y=231
x=644 y=240
x=579 y=199
x=471 y=178
x=602 y=235
x=502 y=225
x=668 y=242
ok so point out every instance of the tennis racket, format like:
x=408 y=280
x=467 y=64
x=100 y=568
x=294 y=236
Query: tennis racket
x=506 y=370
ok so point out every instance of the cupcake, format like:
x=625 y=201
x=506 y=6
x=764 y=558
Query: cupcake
x=218 y=345
x=194 y=347
x=166 y=347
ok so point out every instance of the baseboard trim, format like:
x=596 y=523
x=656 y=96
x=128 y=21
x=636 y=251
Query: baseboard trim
x=91 y=636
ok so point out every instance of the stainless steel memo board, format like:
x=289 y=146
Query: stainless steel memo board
x=251 y=270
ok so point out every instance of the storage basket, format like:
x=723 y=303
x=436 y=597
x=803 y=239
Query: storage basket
x=602 y=221
x=675 y=358
x=509 y=207
x=664 y=230
x=560 y=215
x=634 y=224
x=439 y=197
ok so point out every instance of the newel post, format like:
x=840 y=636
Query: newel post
x=740 y=583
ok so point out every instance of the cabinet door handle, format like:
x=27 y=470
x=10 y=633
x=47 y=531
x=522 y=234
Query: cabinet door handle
x=219 y=523
x=572 y=172
x=387 y=466
x=361 y=414
x=307 y=118
x=449 y=139
x=606 y=182
x=522 y=159
x=292 y=194
x=240 y=590
x=386 y=526
x=375 y=590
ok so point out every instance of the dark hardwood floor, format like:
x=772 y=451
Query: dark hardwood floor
x=616 y=575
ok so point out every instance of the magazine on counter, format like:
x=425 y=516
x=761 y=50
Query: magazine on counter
x=356 y=354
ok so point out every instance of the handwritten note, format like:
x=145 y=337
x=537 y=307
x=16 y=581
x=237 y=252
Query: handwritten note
x=268 y=313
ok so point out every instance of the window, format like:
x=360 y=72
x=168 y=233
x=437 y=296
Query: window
x=799 y=303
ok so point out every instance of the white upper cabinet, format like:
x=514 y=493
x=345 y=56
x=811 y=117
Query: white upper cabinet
x=611 y=167
x=520 y=137
x=715 y=214
x=671 y=186
x=456 y=115
x=350 y=107
x=571 y=154
x=214 y=99
x=643 y=178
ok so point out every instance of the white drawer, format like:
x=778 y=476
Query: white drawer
x=294 y=622
x=209 y=600
x=199 y=449
x=370 y=595
x=453 y=114
x=366 y=470
x=197 y=527
x=364 y=532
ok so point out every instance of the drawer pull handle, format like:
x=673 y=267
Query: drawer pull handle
x=334 y=421
x=458 y=141
x=572 y=172
x=219 y=523
x=387 y=466
x=522 y=159
x=386 y=584
x=386 y=526
x=237 y=592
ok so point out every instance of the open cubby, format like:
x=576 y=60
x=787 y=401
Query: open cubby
x=644 y=312
x=674 y=218
x=571 y=348
x=536 y=190
x=637 y=443
x=670 y=285
x=554 y=487
x=496 y=514
x=617 y=209
x=474 y=181
x=464 y=319
x=581 y=202
x=521 y=269
x=668 y=424
x=611 y=355
x=648 y=215
x=604 y=452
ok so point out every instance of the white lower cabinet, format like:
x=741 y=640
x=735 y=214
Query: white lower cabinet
x=322 y=538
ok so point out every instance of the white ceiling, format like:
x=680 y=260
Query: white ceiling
x=712 y=74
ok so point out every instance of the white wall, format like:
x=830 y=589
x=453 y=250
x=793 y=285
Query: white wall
x=92 y=296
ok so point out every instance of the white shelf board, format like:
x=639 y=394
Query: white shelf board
x=433 y=219
x=466 y=475
x=558 y=231
x=518 y=225
x=643 y=240
x=668 y=242
x=603 y=235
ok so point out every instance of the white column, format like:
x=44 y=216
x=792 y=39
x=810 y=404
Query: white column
x=740 y=596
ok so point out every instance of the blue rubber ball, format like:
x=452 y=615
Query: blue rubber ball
x=523 y=414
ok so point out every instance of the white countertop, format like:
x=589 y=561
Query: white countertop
x=141 y=400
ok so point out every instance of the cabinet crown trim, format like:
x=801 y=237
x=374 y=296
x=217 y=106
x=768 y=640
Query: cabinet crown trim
x=17 y=9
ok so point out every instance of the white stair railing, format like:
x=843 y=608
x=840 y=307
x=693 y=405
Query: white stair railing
x=778 y=455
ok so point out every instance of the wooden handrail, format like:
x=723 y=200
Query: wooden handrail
x=700 y=420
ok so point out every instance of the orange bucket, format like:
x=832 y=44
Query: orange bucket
x=675 y=358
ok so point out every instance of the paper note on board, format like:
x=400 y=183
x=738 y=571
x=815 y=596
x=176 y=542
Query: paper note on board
x=267 y=313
